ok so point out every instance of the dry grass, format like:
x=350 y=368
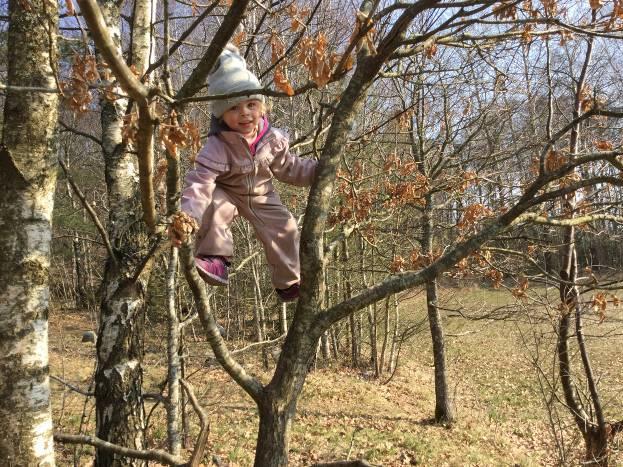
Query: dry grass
x=501 y=416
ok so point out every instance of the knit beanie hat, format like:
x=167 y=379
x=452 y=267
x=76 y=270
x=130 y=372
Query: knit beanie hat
x=230 y=75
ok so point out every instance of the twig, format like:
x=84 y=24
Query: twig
x=80 y=133
x=72 y=387
x=262 y=344
x=92 y=214
x=202 y=439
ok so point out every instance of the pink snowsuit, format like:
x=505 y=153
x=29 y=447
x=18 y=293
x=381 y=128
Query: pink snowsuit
x=230 y=179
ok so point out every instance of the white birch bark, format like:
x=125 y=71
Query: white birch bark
x=28 y=180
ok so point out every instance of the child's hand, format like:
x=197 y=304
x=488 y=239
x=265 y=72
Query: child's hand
x=182 y=229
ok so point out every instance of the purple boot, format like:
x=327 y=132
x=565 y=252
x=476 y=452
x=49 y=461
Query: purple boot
x=213 y=269
x=290 y=294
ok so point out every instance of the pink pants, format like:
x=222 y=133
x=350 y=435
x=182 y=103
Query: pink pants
x=274 y=226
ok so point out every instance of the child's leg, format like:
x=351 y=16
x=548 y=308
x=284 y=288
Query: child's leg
x=214 y=237
x=277 y=230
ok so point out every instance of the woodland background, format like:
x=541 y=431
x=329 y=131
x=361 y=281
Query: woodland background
x=461 y=244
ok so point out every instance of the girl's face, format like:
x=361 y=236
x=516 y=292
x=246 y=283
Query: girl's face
x=244 y=117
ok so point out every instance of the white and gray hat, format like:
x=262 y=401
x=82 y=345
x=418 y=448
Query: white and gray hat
x=229 y=75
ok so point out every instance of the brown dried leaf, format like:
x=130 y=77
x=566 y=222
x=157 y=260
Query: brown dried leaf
x=281 y=82
x=183 y=227
x=239 y=38
x=596 y=4
x=398 y=264
x=550 y=7
x=520 y=290
x=554 y=160
x=472 y=215
x=505 y=9
x=604 y=145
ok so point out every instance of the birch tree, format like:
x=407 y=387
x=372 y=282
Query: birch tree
x=28 y=180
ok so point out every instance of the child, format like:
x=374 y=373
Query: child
x=233 y=176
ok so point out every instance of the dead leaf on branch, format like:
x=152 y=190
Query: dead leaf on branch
x=281 y=82
x=472 y=215
x=550 y=6
x=596 y=4
x=183 y=226
x=599 y=305
x=554 y=160
x=160 y=172
x=295 y=17
x=505 y=10
x=173 y=136
x=364 y=23
x=129 y=130
x=587 y=99
x=398 y=264
x=314 y=55
x=76 y=90
x=239 y=38
x=430 y=49
x=279 y=76
x=604 y=145
x=520 y=290
x=496 y=277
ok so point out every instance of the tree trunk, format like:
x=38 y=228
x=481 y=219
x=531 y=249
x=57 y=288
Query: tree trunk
x=274 y=431
x=392 y=354
x=174 y=360
x=278 y=405
x=443 y=405
x=80 y=288
x=348 y=293
x=120 y=414
x=385 y=335
x=28 y=180
x=118 y=391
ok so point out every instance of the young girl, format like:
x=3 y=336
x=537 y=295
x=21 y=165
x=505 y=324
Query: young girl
x=233 y=176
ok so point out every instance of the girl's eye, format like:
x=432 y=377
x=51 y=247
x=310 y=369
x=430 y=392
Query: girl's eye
x=252 y=105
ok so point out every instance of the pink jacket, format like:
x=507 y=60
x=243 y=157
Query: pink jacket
x=226 y=160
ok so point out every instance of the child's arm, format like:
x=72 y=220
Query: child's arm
x=197 y=194
x=199 y=184
x=289 y=168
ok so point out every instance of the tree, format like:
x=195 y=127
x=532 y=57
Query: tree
x=28 y=179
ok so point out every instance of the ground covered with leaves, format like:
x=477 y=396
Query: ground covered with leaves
x=500 y=373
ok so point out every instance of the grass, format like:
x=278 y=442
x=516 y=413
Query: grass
x=501 y=416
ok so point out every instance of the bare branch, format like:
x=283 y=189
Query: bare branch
x=202 y=439
x=80 y=133
x=249 y=383
x=198 y=76
x=72 y=387
x=92 y=214
x=539 y=219
x=152 y=455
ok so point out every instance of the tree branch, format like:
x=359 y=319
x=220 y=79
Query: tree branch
x=204 y=433
x=92 y=214
x=199 y=74
x=152 y=455
x=249 y=383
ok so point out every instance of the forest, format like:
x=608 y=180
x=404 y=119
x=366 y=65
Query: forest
x=460 y=243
